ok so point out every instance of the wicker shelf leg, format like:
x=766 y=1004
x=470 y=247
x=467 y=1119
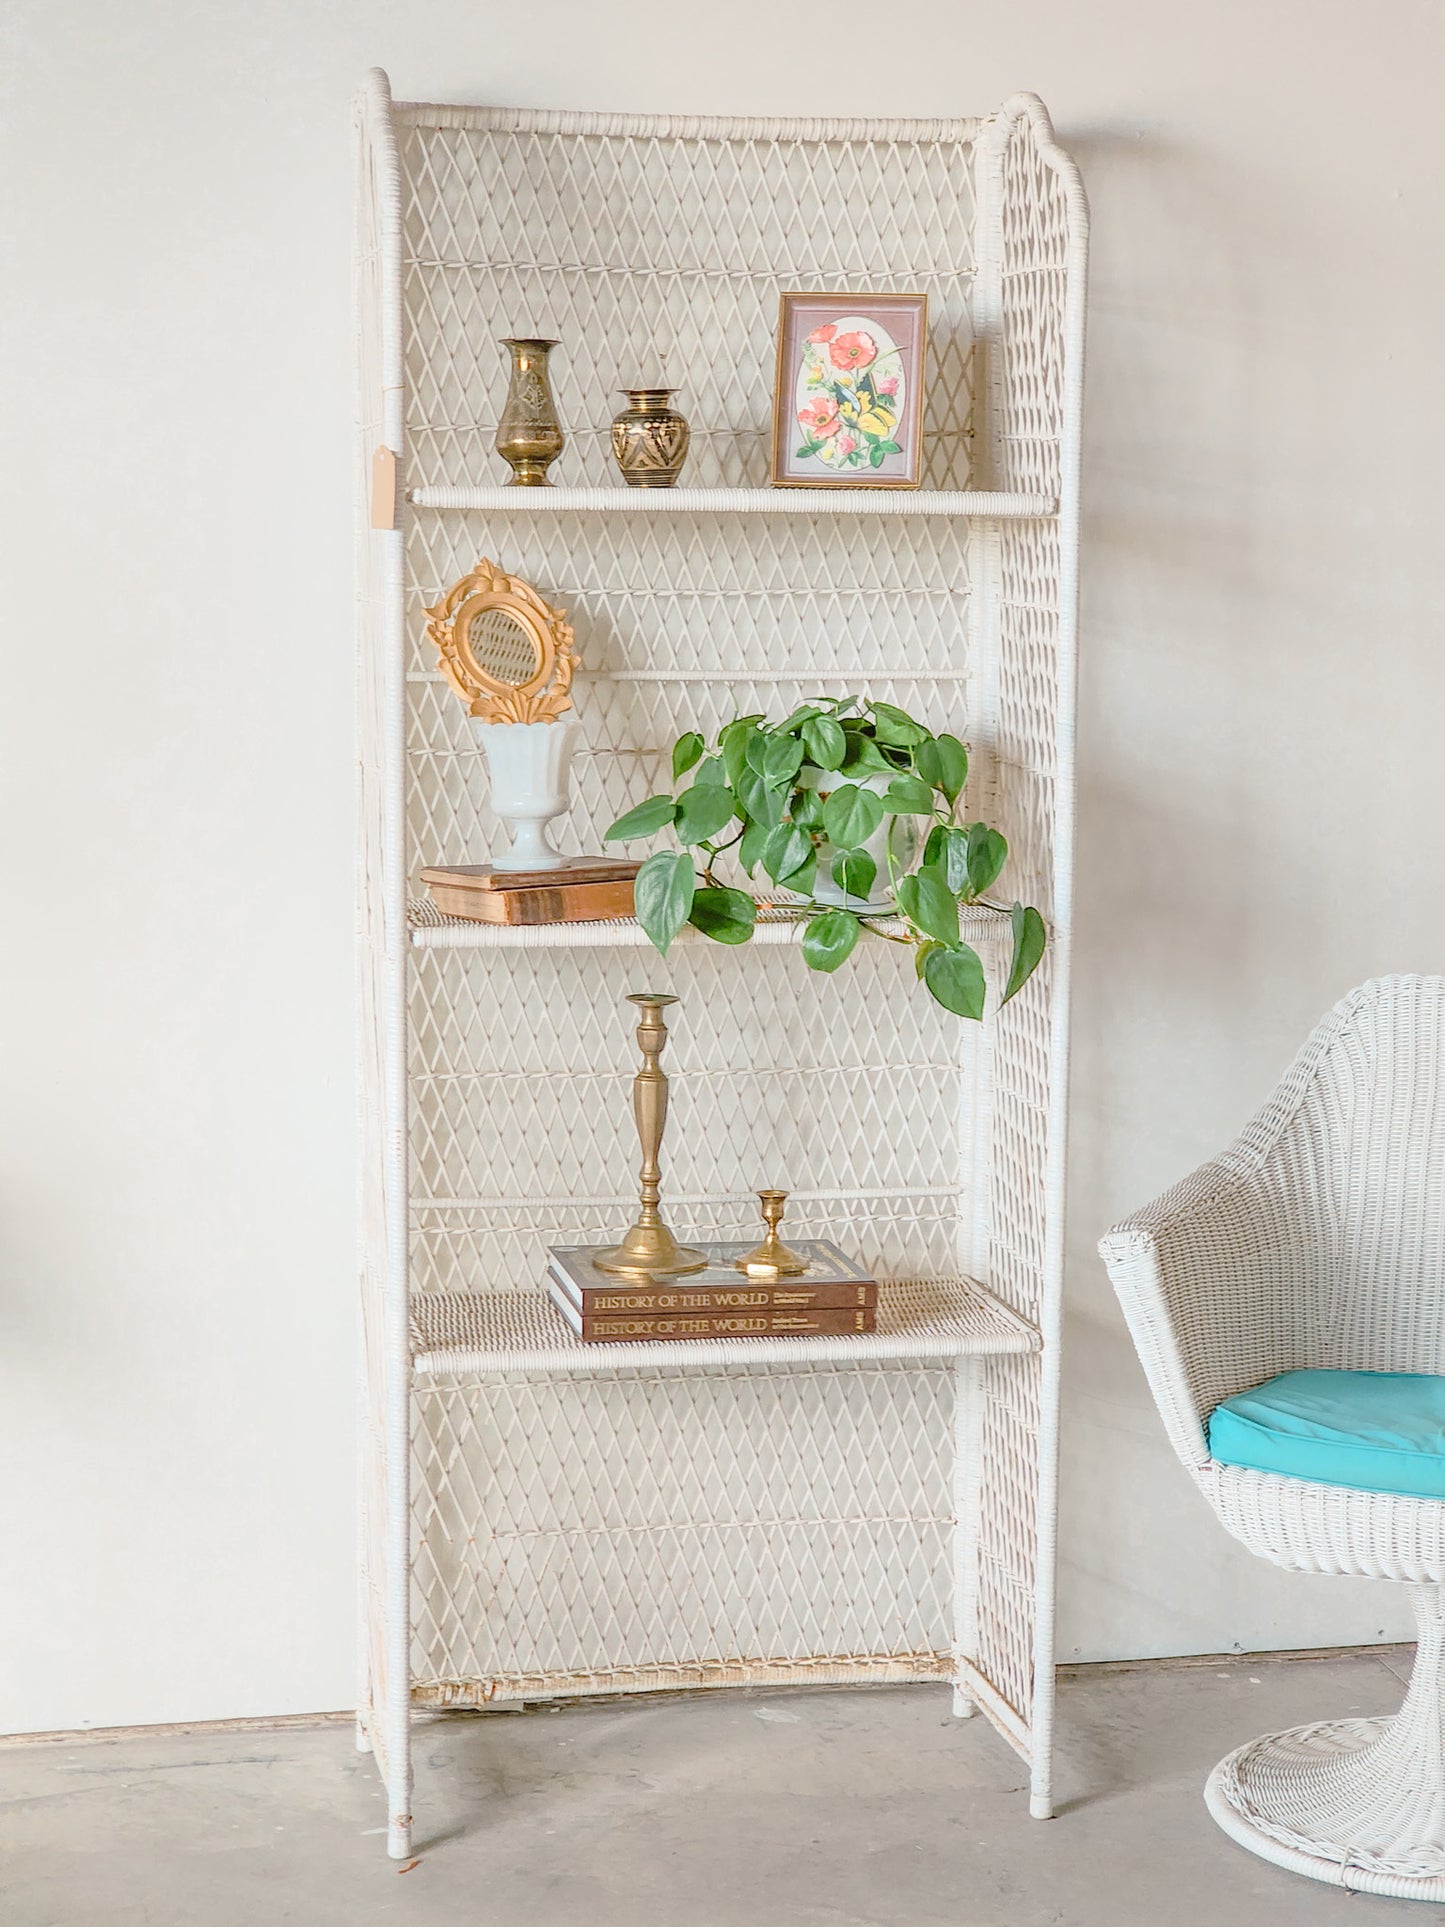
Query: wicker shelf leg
x=964 y=1704
x=398 y=1836
x=1357 y=1803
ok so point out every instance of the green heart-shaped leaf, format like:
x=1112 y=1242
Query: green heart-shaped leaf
x=828 y=939
x=662 y=894
x=1030 y=939
x=987 y=853
x=855 y=872
x=733 y=742
x=955 y=979
x=825 y=742
x=921 y=953
x=908 y=795
x=751 y=847
x=759 y=800
x=896 y=726
x=787 y=848
x=727 y=916
x=947 y=852
x=782 y=758
x=807 y=809
x=851 y=815
x=702 y=811
x=653 y=815
x=943 y=764
x=686 y=751
x=803 y=878
x=928 y=903
x=863 y=755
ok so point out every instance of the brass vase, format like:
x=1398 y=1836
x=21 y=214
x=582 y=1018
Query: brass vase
x=649 y=439
x=528 y=434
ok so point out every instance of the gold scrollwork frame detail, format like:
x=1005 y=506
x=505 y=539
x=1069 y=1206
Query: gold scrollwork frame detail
x=543 y=697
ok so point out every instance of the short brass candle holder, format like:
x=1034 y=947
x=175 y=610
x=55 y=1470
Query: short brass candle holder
x=772 y=1257
x=649 y=1250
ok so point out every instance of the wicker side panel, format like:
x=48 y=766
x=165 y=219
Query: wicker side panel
x=1030 y=326
x=382 y=944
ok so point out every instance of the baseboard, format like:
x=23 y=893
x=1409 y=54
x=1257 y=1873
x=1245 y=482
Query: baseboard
x=1076 y=1670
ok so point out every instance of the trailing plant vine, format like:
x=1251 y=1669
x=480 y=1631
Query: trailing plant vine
x=836 y=795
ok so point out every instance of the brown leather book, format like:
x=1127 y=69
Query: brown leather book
x=832 y=1282
x=588 y=890
x=762 y=1324
x=621 y=1300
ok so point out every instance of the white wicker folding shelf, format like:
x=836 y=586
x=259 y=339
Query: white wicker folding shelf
x=540 y=1518
x=520 y=1331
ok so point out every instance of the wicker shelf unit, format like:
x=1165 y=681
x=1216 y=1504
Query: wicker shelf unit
x=541 y=1518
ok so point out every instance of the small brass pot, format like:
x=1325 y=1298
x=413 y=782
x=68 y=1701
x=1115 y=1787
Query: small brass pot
x=528 y=434
x=649 y=439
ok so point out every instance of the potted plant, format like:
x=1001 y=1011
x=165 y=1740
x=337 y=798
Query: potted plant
x=850 y=806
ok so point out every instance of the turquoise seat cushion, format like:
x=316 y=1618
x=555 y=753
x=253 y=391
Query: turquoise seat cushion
x=1375 y=1431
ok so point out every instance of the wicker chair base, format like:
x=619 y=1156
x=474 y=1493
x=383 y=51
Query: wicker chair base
x=1357 y=1803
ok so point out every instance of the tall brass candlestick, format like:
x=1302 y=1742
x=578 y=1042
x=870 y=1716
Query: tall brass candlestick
x=649 y=1249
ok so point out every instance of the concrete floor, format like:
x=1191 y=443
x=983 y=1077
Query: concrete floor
x=870 y=1808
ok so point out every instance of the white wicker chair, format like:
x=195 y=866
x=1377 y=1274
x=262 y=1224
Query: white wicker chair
x=1318 y=1241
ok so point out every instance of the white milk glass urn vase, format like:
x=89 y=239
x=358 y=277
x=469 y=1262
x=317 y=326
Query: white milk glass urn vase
x=529 y=765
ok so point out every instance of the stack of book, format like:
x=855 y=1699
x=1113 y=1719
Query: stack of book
x=832 y=1297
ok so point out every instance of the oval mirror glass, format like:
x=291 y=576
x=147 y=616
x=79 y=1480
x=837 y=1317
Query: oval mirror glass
x=503 y=647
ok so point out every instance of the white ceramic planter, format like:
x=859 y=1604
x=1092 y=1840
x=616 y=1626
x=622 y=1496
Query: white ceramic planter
x=905 y=841
x=529 y=764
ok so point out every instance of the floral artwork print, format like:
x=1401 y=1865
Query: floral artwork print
x=850 y=395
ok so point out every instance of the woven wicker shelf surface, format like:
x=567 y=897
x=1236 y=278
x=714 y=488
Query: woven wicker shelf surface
x=431 y=930
x=737 y=501
x=513 y=1331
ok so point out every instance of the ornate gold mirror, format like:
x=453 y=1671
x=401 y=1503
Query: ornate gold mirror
x=506 y=652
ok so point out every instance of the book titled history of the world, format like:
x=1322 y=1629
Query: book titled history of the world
x=833 y=1296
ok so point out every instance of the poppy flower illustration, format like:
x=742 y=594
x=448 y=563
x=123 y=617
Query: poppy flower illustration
x=820 y=335
x=854 y=350
x=819 y=417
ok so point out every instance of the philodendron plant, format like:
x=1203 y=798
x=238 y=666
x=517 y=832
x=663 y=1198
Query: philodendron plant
x=853 y=807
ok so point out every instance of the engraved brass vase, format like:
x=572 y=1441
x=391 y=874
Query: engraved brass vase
x=649 y=439
x=529 y=435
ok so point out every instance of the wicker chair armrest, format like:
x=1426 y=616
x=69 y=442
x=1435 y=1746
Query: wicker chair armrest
x=1216 y=1278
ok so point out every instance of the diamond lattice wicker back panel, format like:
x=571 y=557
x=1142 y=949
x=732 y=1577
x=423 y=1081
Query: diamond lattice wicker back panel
x=654 y=252
x=743 y=1522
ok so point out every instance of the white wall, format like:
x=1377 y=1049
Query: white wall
x=1263 y=682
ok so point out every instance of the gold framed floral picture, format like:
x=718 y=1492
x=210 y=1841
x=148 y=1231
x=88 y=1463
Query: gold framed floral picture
x=848 y=399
